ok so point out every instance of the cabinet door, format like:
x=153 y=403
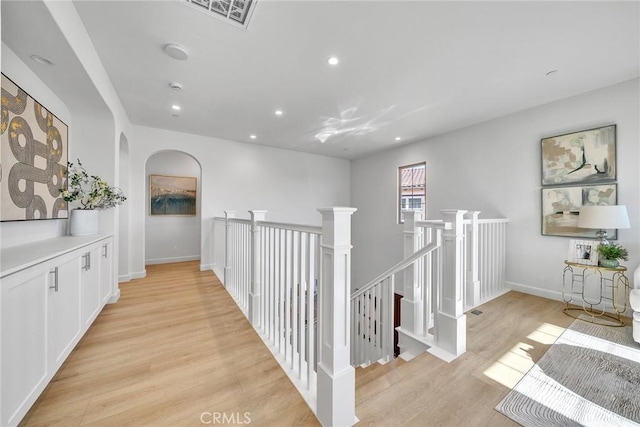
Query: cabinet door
x=90 y=285
x=106 y=266
x=24 y=341
x=64 y=310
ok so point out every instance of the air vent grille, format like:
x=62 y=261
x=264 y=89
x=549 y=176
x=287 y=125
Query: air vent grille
x=236 y=12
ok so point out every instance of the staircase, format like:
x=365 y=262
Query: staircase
x=292 y=282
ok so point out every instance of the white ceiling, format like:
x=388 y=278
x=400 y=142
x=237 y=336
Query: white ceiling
x=412 y=69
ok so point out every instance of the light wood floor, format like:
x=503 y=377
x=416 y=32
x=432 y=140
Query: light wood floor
x=176 y=349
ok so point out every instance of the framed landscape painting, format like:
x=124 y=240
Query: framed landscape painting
x=585 y=157
x=561 y=208
x=33 y=158
x=172 y=195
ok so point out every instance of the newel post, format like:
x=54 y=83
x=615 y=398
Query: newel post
x=255 y=261
x=336 y=376
x=473 y=281
x=228 y=215
x=412 y=305
x=451 y=322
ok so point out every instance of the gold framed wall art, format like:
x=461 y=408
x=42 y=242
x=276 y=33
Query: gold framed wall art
x=33 y=158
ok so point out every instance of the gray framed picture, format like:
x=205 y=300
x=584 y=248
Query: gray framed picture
x=561 y=208
x=172 y=195
x=33 y=156
x=585 y=157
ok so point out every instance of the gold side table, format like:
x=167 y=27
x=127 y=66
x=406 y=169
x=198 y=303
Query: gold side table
x=595 y=288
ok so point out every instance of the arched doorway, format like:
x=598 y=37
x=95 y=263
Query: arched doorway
x=171 y=236
x=123 y=216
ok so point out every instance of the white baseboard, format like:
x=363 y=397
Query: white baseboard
x=206 y=267
x=219 y=273
x=114 y=297
x=172 y=259
x=139 y=275
x=124 y=278
x=531 y=290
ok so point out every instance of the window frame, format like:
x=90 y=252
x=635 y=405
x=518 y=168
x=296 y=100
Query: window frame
x=399 y=190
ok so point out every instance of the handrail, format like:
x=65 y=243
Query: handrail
x=292 y=227
x=493 y=220
x=396 y=268
x=282 y=225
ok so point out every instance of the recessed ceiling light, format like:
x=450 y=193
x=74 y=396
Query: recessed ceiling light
x=551 y=73
x=398 y=138
x=41 y=60
x=333 y=60
x=279 y=112
x=175 y=107
x=252 y=136
x=176 y=51
x=175 y=86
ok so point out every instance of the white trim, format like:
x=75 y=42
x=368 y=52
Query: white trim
x=532 y=290
x=139 y=275
x=114 y=297
x=174 y=259
x=124 y=278
x=206 y=267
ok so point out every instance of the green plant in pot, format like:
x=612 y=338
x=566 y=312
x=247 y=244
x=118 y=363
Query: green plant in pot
x=610 y=253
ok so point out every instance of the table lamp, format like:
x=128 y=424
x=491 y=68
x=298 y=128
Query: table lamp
x=603 y=218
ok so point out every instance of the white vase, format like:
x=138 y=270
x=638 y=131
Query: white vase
x=84 y=222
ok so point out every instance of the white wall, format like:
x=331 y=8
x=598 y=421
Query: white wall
x=19 y=232
x=172 y=238
x=495 y=167
x=239 y=177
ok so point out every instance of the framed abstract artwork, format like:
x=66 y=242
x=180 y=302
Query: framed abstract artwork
x=585 y=157
x=33 y=158
x=172 y=195
x=561 y=208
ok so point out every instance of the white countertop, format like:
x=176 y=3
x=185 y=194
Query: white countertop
x=18 y=258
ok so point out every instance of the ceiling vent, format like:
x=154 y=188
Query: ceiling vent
x=236 y=12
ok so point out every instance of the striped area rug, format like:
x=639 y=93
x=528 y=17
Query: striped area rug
x=589 y=377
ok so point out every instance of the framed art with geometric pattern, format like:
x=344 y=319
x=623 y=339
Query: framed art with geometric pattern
x=33 y=158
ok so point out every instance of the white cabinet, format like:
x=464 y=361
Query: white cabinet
x=64 y=309
x=90 y=285
x=25 y=366
x=106 y=270
x=46 y=304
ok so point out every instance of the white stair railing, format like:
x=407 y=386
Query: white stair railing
x=372 y=307
x=492 y=258
x=484 y=261
x=292 y=283
x=289 y=287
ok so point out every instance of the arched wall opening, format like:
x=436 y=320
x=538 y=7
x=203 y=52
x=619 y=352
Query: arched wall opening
x=124 y=212
x=172 y=237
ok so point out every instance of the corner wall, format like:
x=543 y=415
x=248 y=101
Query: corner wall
x=495 y=167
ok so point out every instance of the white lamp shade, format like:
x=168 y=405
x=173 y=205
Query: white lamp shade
x=603 y=217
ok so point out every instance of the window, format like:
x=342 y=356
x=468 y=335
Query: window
x=412 y=189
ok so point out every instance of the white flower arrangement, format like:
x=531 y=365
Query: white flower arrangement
x=90 y=190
